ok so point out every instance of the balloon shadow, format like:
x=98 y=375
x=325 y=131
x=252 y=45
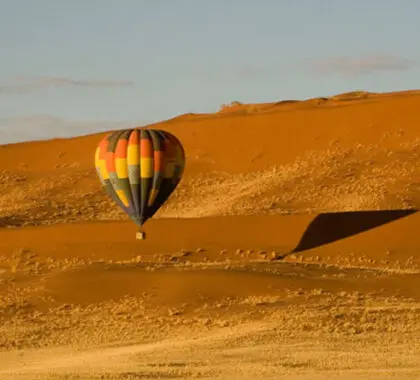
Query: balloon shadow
x=330 y=227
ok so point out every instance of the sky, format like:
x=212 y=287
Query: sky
x=80 y=66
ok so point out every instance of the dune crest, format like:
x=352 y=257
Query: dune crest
x=237 y=107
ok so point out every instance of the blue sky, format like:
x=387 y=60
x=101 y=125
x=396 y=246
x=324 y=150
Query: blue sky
x=99 y=63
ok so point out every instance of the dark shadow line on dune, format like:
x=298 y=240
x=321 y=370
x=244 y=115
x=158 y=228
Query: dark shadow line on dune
x=329 y=227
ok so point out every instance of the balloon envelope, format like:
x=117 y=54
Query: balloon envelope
x=139 y=169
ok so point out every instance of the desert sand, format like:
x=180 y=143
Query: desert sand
x=290 y=250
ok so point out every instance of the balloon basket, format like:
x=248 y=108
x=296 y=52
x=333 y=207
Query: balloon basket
x=140 y=235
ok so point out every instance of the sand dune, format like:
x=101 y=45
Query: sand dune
x=290 y=248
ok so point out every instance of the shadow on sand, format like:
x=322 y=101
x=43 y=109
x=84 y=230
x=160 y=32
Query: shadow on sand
x=330 y=227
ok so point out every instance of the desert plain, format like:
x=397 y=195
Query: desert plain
x=290 y=250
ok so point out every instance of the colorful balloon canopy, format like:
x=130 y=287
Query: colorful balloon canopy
x=139 y=169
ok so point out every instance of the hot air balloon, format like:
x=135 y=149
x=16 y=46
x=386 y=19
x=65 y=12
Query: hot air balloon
x=140 y=169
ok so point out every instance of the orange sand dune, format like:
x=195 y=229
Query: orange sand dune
x=357 y=156
x=291 y=247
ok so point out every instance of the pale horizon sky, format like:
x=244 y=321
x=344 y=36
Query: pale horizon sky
x=87 y=65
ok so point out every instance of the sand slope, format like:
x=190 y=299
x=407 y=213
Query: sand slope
x=355 y=154
x=291 y=248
